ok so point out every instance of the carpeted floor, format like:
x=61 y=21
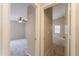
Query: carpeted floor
x=18 y=47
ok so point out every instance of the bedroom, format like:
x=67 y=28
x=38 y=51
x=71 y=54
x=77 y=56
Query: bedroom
x=22 y=26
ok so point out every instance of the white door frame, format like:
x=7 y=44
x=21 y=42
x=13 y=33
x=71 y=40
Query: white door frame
x=72 y=31
x=38 y=31
x=0 y=28
x=6 y=29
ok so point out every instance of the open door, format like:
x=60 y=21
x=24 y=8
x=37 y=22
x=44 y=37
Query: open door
x=48 y=31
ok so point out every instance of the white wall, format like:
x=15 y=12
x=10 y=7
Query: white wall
x=30 y=30
x=17 y=30
x=59 y=10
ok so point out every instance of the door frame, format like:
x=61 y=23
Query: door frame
x=6 y=29
x=71 y=37
x=0 y=28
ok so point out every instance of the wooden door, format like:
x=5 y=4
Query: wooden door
x=48 y=31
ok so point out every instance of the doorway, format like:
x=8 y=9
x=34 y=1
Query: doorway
x=6 y=29
x=23 y=29
x=56 y=30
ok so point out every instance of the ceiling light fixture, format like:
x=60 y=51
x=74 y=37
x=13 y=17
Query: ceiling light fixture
x=21 y=20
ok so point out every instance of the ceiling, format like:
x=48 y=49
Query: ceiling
x=59 y=10
x=19 y=10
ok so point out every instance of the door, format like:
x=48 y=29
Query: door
x=30 y=30
x=48 y=31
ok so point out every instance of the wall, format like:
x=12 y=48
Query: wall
x=59 y=10
x=0 y=29
x=58 y=37
x=17 y=30
x=30 y=30
x=5 y=29
x=77 y=28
